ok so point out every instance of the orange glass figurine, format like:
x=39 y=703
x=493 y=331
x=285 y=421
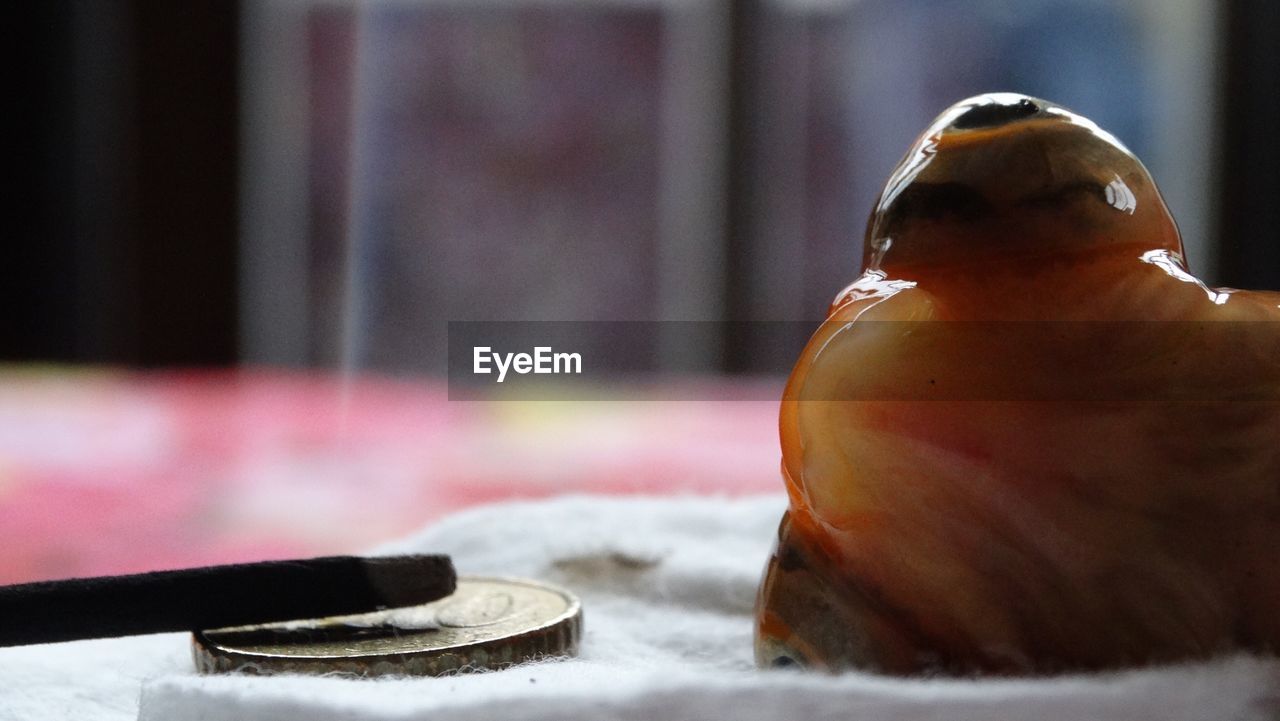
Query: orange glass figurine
x=1027 y=439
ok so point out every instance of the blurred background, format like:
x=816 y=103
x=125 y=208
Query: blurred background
x=318 y=187
x=324 y=183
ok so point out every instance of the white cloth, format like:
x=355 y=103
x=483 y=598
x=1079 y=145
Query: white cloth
x=667 y=587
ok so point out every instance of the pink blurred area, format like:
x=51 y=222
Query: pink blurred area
x=113 y=472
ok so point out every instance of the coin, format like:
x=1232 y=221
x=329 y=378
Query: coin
x=488 y=623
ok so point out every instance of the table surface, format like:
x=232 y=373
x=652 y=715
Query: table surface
x=106 y=471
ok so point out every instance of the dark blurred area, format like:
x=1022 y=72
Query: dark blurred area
x=327 y=184
x=1250 y=215
x=123 y=247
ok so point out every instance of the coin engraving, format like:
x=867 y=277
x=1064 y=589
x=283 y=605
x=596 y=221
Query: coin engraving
x=480 y=609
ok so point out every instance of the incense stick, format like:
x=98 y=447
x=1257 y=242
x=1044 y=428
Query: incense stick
x=218 y=596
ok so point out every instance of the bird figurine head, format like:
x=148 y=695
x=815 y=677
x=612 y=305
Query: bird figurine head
x=1004 y=175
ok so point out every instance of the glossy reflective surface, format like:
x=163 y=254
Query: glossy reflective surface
x=1127 y=513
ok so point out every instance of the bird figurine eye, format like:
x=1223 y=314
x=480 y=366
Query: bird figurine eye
x=1027 y=438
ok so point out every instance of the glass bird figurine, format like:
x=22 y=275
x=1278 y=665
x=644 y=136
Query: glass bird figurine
x=1027 y=440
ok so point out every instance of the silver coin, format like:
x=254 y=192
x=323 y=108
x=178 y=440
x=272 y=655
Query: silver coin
x=488 y=623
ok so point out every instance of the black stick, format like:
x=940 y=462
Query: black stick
x=217 y=596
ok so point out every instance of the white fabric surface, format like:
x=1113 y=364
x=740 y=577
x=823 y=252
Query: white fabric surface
x=667 y=588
